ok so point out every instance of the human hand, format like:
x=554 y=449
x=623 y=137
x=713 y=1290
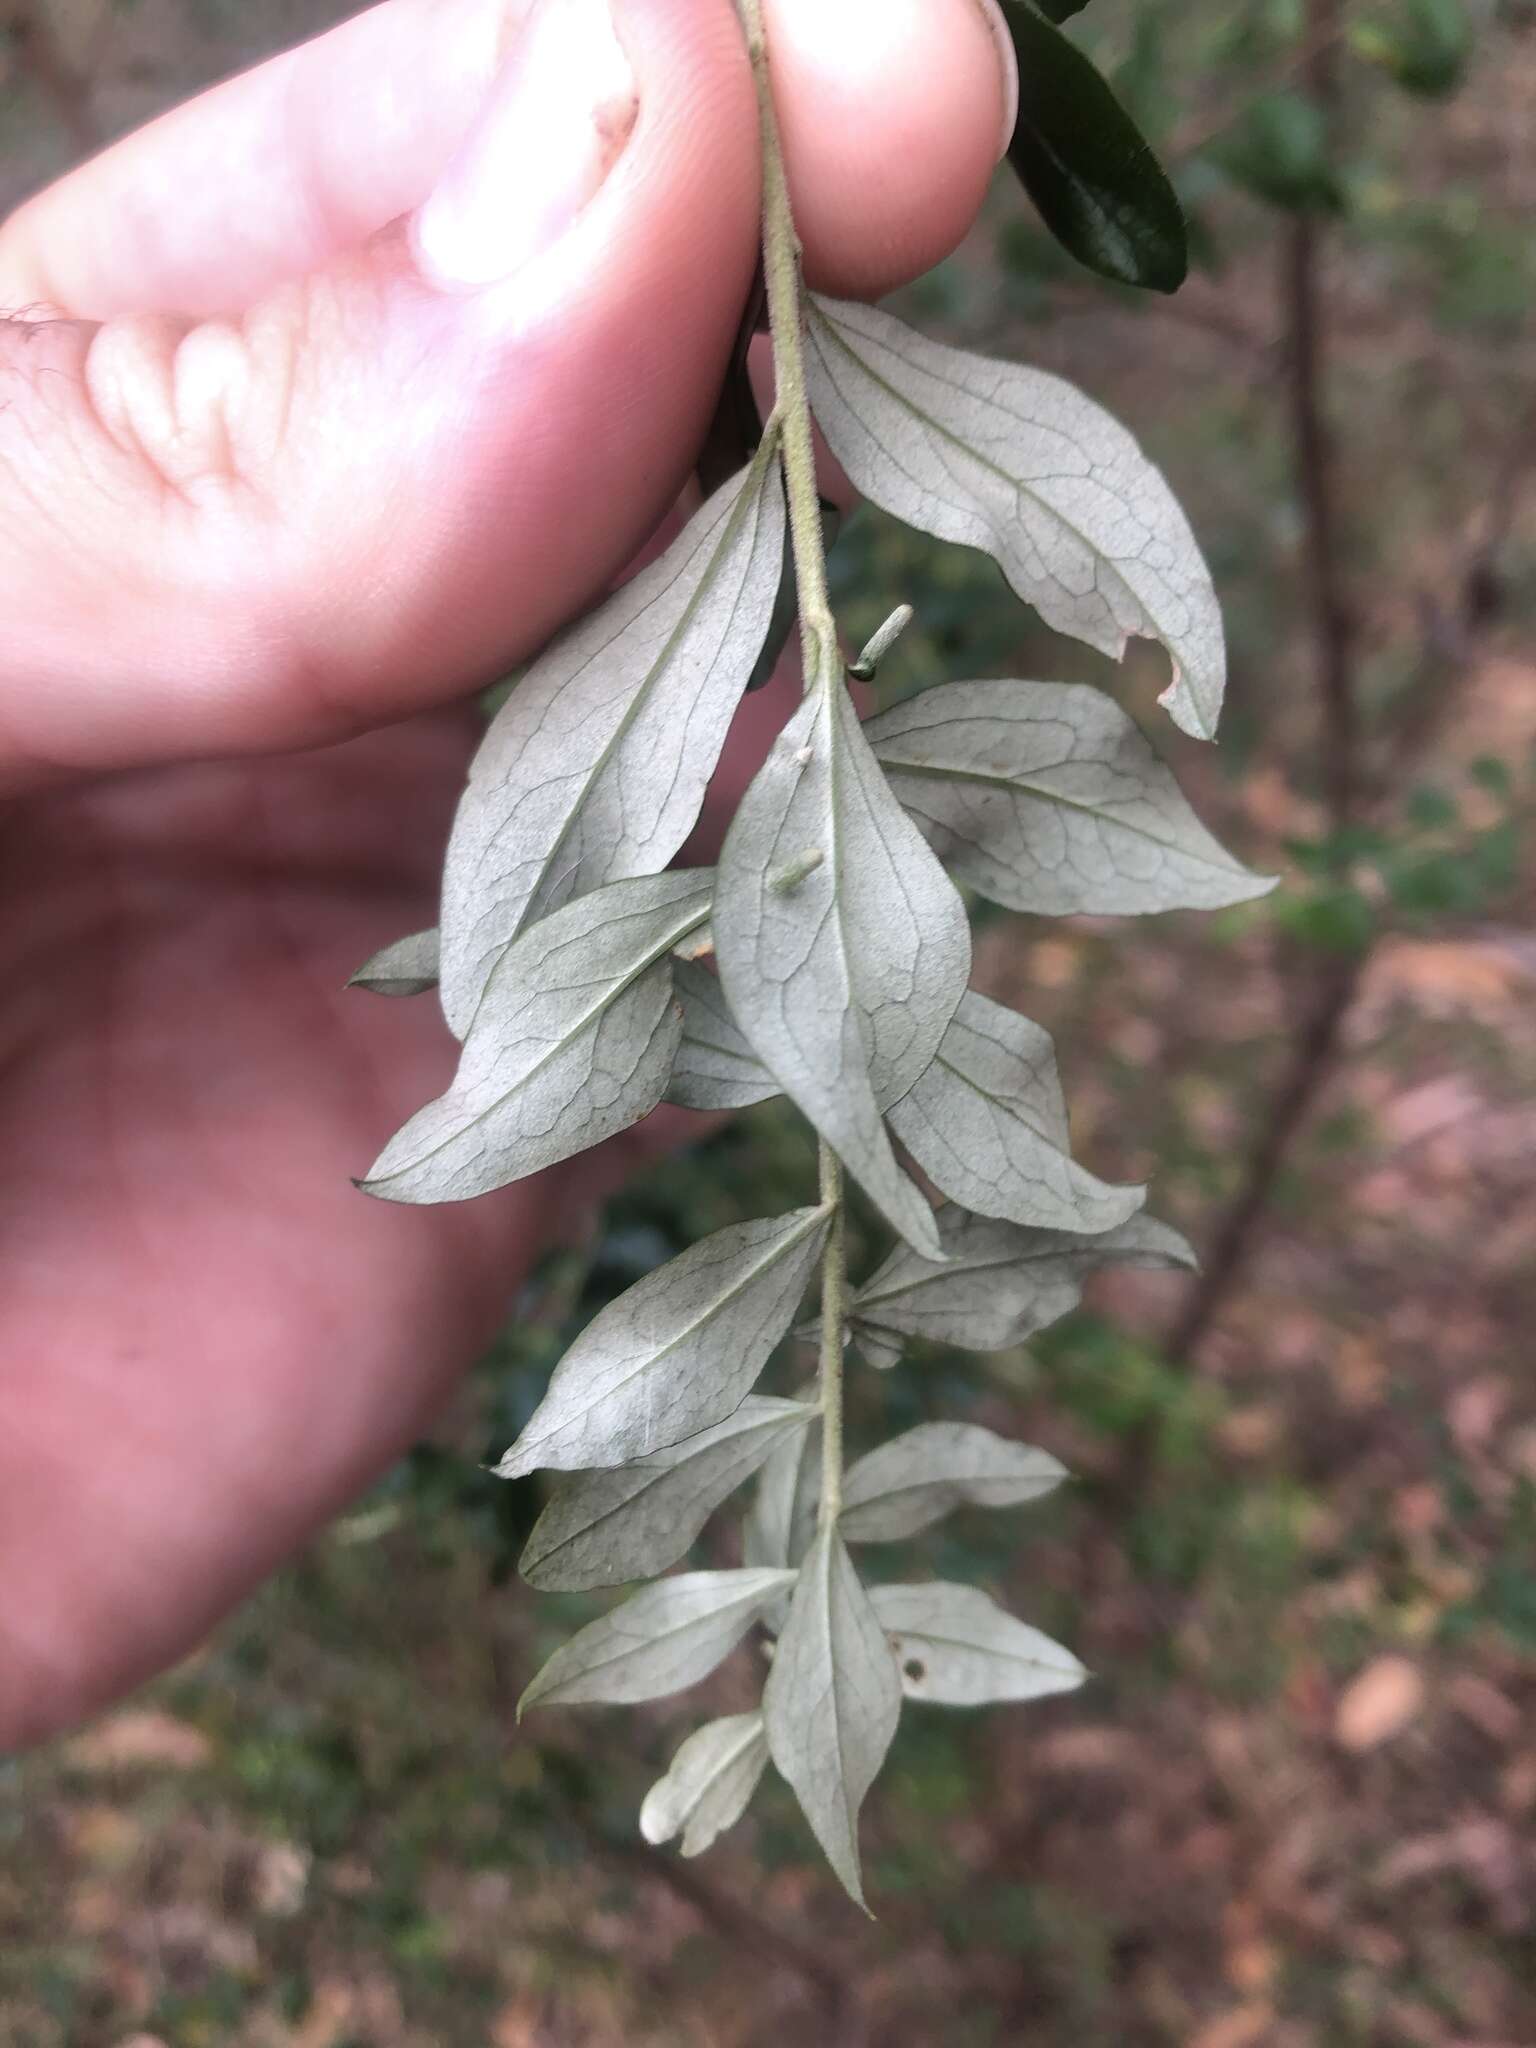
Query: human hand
x=315 y=416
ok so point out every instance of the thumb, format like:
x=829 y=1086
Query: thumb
x=390 y=478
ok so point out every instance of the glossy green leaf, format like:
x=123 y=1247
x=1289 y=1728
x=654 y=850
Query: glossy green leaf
x=1083 y=161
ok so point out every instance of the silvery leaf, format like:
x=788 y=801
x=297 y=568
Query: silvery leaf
x=603 y=1528
x=845 y=978
x=832 y=1701
x=986 y=1124
x=1018 y=463
x=1047 y=798
x=662 y=1639
x=958 y=1648
x=915 y=1480
x=709 y=1785
x=778 y=1527
x=572 y=1044
x=407 y=968
x=677 y=1352
x=1003 y=1282
x=596 y=766
x=715 y=1067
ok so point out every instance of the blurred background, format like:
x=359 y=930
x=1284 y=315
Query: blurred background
x=1296 y=1806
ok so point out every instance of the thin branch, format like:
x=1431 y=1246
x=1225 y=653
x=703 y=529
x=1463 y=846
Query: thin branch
x=1312 y=1062
x=1332 y=624
x=738 y=1924
x=1333 y=653
x=823 y=664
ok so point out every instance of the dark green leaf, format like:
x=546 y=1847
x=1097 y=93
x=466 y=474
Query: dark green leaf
x=1084 y=163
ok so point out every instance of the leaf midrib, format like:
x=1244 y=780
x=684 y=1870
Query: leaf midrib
x=1020 y=784
x=824 y=320
x=613 y=991
x=814 y=1219
x=769 y=1425
x=748 y=495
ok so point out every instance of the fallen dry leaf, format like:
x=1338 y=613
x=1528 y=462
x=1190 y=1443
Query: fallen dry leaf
x=1379 y=1704
x=1244 y=2027
x=140 y=1737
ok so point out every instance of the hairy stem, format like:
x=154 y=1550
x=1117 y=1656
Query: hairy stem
x=819 y=648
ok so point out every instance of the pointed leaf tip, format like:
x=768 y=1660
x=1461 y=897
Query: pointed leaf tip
x=572 y=1043
x=658 y=1642
x=832 y=1701
x=677 y=1352
x=1047 y=797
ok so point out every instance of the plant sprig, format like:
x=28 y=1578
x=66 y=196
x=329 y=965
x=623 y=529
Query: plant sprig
x=574 y=963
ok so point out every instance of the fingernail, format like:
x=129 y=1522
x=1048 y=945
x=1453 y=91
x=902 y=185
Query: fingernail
x=1008 y=58
x=557 y=121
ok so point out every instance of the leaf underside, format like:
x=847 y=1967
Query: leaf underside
x=955 y=1646
x=572 y=1043
x=658 y=1642
x=832 y=1701
x=1047 y=798
x=987 y=1126
x=675 y=1354
x=845 y=981
x=1002 y=1283
x=595 y=768
x=710 y=1782
x=407 y=968
x=916 y=1479
x=602 y=1528
x=1018 y=463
